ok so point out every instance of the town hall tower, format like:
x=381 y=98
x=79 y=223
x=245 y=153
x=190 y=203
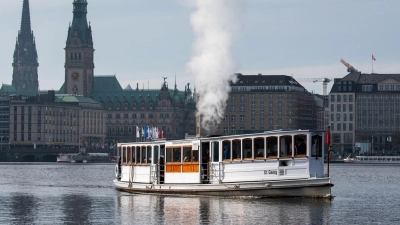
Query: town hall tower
x=25 y=63
x=79 y=52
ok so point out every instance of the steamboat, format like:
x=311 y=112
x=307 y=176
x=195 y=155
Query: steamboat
x=269 y=164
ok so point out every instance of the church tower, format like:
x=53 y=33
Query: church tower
x=79 y=51
x=25 y=63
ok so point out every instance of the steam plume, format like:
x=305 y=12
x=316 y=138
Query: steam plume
x=216 y=24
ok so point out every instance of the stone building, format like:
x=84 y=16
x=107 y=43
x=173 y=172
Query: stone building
x=365 y=108
x=50 y=120
x=270 y=102
x=79 y=61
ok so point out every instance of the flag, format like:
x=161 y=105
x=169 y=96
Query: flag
x=142 y=132
x=373 y=57
x=137 y=132
x=146 y=131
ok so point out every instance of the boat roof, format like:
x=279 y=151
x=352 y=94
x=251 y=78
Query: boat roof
x=217 y=137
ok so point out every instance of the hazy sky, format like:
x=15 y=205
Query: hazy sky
x=141 y=41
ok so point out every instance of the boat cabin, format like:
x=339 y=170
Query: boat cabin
x=272 y=155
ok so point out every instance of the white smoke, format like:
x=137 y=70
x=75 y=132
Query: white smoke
x=216 y=23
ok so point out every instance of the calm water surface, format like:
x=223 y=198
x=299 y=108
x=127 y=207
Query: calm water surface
x=84 y=194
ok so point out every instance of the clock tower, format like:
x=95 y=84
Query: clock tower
x=79 y=52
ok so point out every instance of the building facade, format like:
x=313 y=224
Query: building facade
x=365 y=108
x=170 y=110
x=25 y=61
x=4 y=122
x=56 y=120
x=270 y=102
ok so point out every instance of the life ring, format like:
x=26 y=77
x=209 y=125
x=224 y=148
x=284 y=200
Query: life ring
x=116 y=171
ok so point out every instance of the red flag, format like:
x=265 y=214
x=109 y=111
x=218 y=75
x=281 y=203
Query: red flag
x=328 y=136
x=373 y=57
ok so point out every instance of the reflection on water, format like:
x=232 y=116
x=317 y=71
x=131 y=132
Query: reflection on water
x=193 y=210
x=23 y=208
x=77 y=209
x=84 y=194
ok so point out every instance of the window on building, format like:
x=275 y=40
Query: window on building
x=242 y=98
x=271 y=104
x=271 y=112
x=242 y=118
x=261 y=120
x=233 y=118
x=241 y=108
x=339 y=108
x=253 y=104
x=279 y=112
x=279 y=104
x=344 y=127
x=332 y=98
x=337 y=117
x=332 y=117
x=339 y=127
x=344 y=98
x=350 y=127
x=332 y=107
x=253 y=121
x=350 y=117
x=271 y=121
x=351 y=108
x=344 y=108
x=232 y=98
x=344 y=117
x=279 y=120
x=253 y=96
x=233 y=108
x=261 y=104
x=253 y=112
x=339 y=98
x=350 y=98
x=261 y=112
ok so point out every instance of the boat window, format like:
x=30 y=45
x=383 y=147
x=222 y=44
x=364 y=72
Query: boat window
x=123 y=156
x=300 y=145
x=247 y=148
x=226 y=145
x=187 y=154
x=155 y=156
x=137 y=155
x=148 y=158
x=316 y=147
x=259 y=148
x=285 y=146
x=177 y=154
x=128 y=155
x=143 y=155
x=236 y=150
x=215 y=151
x=272 y=147
x=169 y=155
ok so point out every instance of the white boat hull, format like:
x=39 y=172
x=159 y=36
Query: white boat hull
x=313 y=187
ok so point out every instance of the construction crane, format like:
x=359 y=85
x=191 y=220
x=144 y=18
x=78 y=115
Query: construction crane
x=350 y=68
x=324 y=81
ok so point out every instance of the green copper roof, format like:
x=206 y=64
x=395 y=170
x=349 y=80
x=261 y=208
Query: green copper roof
x=65 y=98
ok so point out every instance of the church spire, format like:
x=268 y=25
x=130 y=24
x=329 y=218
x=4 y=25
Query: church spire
x=26 y=19
x=25 y=63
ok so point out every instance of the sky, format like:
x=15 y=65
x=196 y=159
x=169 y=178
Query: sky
x=141 y=41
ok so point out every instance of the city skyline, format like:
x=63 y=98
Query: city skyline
x=150 y=40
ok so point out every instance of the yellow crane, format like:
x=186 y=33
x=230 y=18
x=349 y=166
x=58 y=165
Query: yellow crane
x=324 y=81
x=350 y=68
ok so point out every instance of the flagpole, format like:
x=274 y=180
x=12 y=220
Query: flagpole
x=372 y=60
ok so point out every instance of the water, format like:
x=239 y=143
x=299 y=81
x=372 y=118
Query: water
x=32 y=193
